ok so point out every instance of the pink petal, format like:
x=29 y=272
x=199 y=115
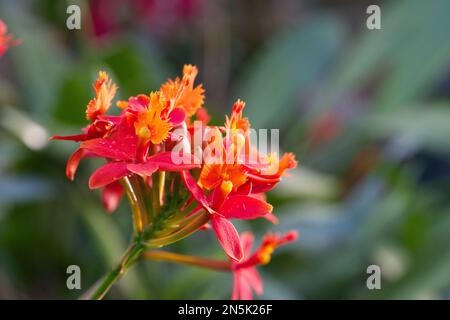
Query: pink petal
x=111 y=196
x=237 y=279
x=253 y=279
x=247 y=242
x=244 y=207
x=107 y=174
x=138 y=103
x=271 y=217
x=3 y=27
x=177 y=116
x=206 y=226
x=245 y=291
x=228 y=237
x=143 y=169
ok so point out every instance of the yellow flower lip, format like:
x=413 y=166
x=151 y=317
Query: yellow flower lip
x=226 y=186
x=266 y=254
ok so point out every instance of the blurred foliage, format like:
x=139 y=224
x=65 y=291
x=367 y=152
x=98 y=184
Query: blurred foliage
x=366 y=112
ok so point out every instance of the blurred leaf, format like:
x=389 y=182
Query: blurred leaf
x=411 y=46
x=40 y=61
x=287 y=67
x=148 y=70
x=305 y=182
x=74 y=94
x=427 y=128
x=420 y=62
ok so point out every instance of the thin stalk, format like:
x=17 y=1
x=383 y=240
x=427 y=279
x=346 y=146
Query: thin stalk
x=147 y=198
x=188 y=260
x=135 y=206
x=156 y=204
x=135 y=183
x=162 y=183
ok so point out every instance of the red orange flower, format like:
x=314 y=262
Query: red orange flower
x=141 y=144
x=245 y=275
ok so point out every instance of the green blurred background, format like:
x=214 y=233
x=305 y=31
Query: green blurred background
x=366 y=112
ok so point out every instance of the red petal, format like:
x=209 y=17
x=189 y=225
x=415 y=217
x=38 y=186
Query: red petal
x=107 y=148
x=177 y=116
x=245 y=189
x=244 y=207
x=111 y=196
x=107 y=174
x=73 y=162
x=187 y=204
x=228 y=237
x=194 y=189
x=74 y=137
x=113 y=119
x=143 y=169
x=264 y=187
x=194 y=211
x=256 y=178
x=121 y=145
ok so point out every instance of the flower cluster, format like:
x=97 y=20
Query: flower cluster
x=175 y=185
x=6 y=40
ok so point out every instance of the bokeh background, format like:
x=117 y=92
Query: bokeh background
x=366 y=112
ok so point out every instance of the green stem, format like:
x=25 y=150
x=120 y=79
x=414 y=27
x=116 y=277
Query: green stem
x=132 y=254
